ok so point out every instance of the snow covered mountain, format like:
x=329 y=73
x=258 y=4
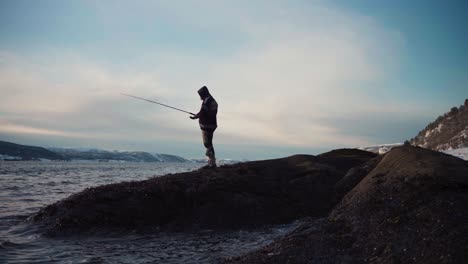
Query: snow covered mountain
x=447 y=132
x=105 y=155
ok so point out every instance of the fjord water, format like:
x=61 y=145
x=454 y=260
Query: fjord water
x=25 y=187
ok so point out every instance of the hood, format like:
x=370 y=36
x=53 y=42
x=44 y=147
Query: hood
x=203 y=92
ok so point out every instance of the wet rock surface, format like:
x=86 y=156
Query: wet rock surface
x=240 y=195
x=411 y=207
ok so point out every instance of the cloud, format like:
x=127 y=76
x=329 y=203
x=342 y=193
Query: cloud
x=294 y=71
x=14 y=128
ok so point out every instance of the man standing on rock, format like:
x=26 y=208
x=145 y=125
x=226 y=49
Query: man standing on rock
x=208 y=124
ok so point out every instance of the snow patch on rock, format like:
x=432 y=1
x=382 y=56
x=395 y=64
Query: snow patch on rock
x=461 y=153
x=381 y=149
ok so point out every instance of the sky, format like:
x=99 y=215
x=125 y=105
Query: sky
x=289 y=76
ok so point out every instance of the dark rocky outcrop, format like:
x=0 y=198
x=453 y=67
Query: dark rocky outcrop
x=410 y=208
x=407 y=206
x=245 y=194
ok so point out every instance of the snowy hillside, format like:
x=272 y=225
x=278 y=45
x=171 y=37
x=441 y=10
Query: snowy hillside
x=447 y=132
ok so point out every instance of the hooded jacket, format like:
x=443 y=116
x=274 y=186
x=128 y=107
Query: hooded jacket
x=208 y=110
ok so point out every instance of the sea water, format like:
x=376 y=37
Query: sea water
x=25 y=187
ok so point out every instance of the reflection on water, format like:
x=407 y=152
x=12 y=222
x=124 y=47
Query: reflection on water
x=27 y=186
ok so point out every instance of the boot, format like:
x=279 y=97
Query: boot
x=211 y=164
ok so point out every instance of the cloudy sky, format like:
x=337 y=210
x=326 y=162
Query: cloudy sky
x=289 y=76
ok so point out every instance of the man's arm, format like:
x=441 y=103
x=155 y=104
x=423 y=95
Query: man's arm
x=200 y=113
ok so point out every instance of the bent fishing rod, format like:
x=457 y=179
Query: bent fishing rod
x=175 y=108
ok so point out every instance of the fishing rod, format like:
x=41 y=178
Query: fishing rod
x=157 y=103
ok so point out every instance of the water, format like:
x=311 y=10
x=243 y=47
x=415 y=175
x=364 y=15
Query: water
x=25 y=187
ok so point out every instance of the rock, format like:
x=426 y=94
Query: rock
x=240 y=195
x=411 y=208
x=354 y=176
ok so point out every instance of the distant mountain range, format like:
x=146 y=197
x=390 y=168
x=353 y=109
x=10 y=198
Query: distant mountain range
x=105 y=155
x=447 y=132
x=11 y=151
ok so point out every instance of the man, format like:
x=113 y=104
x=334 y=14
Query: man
x=208 y=124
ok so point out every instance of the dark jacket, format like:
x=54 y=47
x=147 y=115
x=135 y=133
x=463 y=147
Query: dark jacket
x=208 y=110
